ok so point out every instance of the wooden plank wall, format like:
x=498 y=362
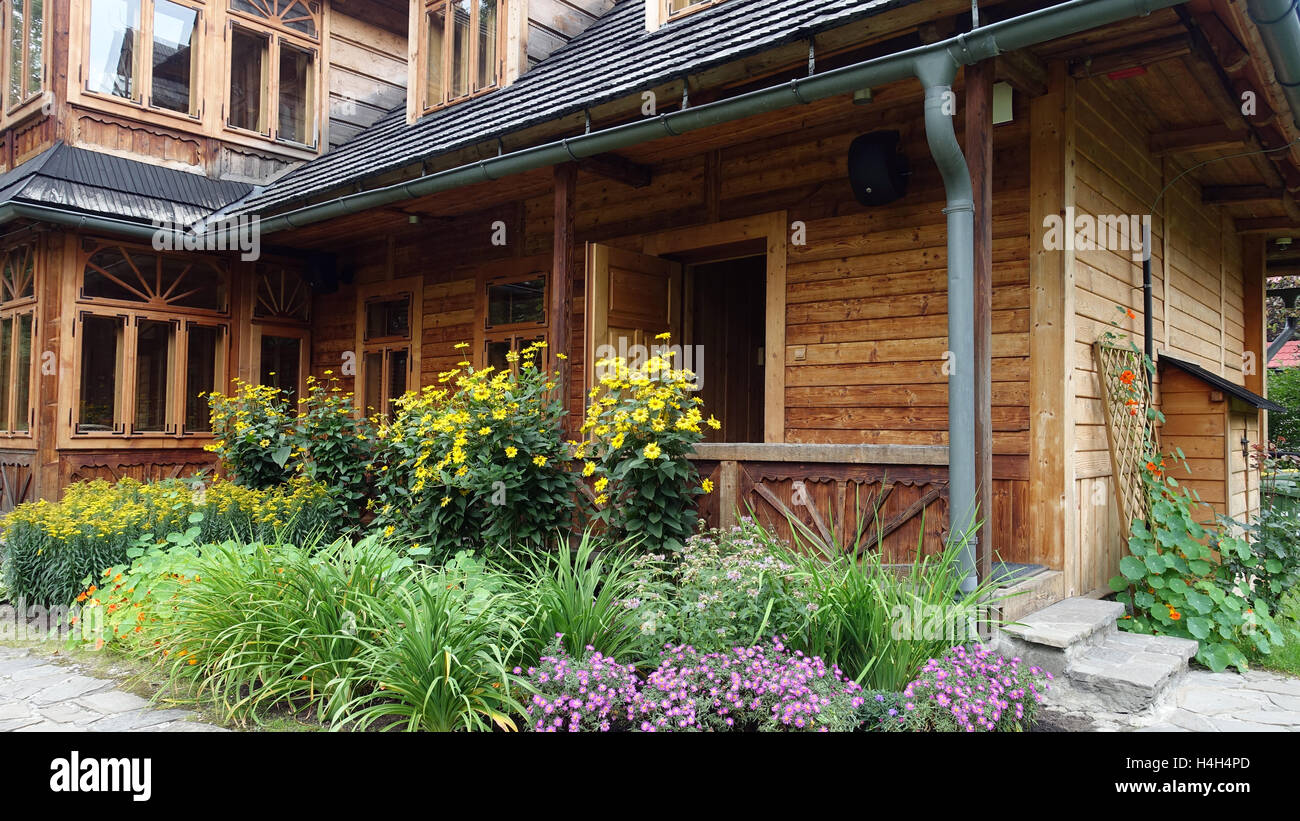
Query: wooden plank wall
x=367 y=74
x=1198 y=315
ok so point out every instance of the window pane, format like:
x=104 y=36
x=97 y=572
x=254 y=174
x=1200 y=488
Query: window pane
x=374 y=378
x=280 y=358
x=6 y=348
x=23 y=375
x=487 y=44
x=153 y=350
x=36 y=47
x=398 y=361
x=173 y=55
x=496 y=354
x=247 y=80
x=16 y=52
x=460 y=10
x=435 y=85
x=192 y=284
x=390 y=318
x=513 y=302
x=201 y=359
x=114 y=33
x=111 y=274
x=101 y=364
x=295 y=94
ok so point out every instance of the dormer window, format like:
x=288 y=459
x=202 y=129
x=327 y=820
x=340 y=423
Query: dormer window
x=658 y=12
x=461 y=45
x=144 y=51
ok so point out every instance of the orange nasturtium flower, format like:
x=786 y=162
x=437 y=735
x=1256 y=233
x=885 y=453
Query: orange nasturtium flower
x=1130 y=314
x=1127 y=377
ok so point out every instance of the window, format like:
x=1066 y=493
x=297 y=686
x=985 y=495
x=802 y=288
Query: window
x=25 y=41
x=17 y=327
x=144 y=369
x=144 y=51
x=462 y=48
x=514 y=317
x=388 y=336
x=281 y=339
x=677 y=7
x=273 y=69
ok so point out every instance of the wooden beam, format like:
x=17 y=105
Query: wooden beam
x=979 y=156
x=1169 y=48
x=1053 y=513
x=563 y=257
x=1200 y=138
x=1025 y=72
x=1229 y=51
x=1267 y=225
x=618 y=169
x=1237 y=194
x=1254 y=281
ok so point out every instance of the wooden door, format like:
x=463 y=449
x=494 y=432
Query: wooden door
x=631 y=298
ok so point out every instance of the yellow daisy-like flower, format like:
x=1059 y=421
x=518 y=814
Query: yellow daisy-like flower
x=707 y=486
x=652 y=451
x=601 y=500
x=460 y=345
x=512 y=451
x=445 y=501
x=713 y=423
x=484 y=431
x=540 y=461
x=601 y=484
x=664 y=335
x=588 y=468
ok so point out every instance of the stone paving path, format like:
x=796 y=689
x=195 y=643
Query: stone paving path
x=37 y=695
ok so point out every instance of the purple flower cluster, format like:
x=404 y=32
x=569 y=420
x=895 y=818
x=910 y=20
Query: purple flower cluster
x=762 y=688
x=593 y=694
x=977 y=691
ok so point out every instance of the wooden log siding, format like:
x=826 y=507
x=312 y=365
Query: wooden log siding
x=1198 y=315
x=865 y=297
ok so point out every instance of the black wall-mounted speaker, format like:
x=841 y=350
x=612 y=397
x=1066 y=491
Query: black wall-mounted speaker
x=877 y=169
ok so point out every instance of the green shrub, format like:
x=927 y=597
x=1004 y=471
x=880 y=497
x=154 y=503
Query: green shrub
x=253 y=434
x=53 y=547
x=479 y=464
x=644 y=424
x=725 y=589
x=1273 y=532
x=1284 y=388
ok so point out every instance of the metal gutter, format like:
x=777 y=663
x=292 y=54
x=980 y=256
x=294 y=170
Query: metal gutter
x=77 y=220
x=1279 y=29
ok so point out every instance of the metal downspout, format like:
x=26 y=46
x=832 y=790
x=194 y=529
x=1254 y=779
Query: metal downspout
x=936 y=74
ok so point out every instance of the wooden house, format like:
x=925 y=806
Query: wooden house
x=899 y=328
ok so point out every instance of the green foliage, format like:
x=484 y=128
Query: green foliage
x=52 y=547
x=1179 y=580
x=480 y=464
x=253 y=434
x=1274 y=533
x=581 y=595
x=725 y=589
x=644 y=423
x=1284 y=389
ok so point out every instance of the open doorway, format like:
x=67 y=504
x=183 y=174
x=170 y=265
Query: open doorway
x=726 y=311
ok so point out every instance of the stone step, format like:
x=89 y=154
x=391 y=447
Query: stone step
x=1051 y=637
x=1128 y=673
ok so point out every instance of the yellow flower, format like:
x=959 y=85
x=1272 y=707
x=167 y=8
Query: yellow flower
x=445 y=501
x=484 y=431
x=540 y=461
x=460 y=345
x=512 y=451
x=713 y=423
x=664 y=335
x=652 y=451
x=707 y=486
x=602 y=483
x=588 y=468
x=601 y=500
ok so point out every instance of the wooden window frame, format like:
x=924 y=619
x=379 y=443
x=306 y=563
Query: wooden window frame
x=155 y=305
x=143 y=67
x=700 y=5
x=124 y=411
x=514 y=332
x=274 y=316
x=29 y=102
x=264 y=327
x=424 y=105
x=412 y=287
x=276 y=37
x=7 y=433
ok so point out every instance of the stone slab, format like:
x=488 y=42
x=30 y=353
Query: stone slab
x=1067 y=622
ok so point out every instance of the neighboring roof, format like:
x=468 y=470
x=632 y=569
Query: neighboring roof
x=84 y=181
x=614 y=57
x=1219 y=383
x=1288 y=356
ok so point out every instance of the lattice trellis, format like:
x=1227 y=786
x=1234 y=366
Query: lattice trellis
x=1129 y=432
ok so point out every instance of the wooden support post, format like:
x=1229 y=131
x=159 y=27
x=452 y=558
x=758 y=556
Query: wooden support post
x=1053 y=514
x=979 y=156
x=563 y=254
x=1254 y=284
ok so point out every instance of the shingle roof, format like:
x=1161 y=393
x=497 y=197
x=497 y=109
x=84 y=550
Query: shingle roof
x=612 y=58
x=78 y=179
x=1288 y=356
